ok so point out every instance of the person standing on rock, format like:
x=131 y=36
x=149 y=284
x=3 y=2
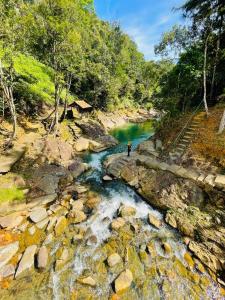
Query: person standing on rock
x=129 y=146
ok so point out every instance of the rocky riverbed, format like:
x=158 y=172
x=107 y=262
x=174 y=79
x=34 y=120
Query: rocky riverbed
x=96 y=239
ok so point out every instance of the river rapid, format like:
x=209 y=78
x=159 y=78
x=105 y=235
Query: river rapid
x=157 y=274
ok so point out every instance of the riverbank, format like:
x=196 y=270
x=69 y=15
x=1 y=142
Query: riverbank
x=192 y=202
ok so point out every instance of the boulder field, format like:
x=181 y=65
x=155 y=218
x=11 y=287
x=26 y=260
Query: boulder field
x=191 y=202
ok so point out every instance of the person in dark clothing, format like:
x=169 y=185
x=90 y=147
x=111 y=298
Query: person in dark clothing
x=129 y=146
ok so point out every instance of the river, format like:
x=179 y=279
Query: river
x=157 y=274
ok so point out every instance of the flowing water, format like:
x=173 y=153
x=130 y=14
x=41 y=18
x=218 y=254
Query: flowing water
x=156 y=274
x=165 y=276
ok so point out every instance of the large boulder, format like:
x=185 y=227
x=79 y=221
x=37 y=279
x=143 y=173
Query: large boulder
x=11 y=221
x=114 y=259
x=82 y=144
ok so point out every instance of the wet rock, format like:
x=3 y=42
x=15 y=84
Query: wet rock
x=11 y=221
x=32 y=230
x=114 y=259
x=78 y=216
x=171 y=220
x=77 y=168
x=189 y=260
x=7 y=252
x=93 y=202
x=82 y=144
x=62 y=259
x=60 y=226
x=78 y=205
x=167 y=248
x=123 y=282
x=48 y=239
x=27 y=261
x=43 y=224
x=38 y=214
x=92 y=240
x=154 y=221
x=206 y=257
x=107 y=178
x=6 y=271
x=52 y=221
x=87 y=281
x=118 y=223
x=127 y=211
x=151 y=249
x=42 y=258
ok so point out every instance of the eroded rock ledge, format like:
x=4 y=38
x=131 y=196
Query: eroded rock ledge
x=193 y=202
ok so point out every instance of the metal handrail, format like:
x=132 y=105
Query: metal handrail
x=186 y=125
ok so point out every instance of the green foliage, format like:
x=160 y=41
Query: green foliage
x=11 y=194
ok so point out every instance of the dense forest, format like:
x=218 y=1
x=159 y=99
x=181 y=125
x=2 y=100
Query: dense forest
x=54 y=51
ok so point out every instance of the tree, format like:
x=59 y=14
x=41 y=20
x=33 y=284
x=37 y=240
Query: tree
x=11 y=34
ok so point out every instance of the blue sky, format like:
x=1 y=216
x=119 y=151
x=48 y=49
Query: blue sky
x=143 y=20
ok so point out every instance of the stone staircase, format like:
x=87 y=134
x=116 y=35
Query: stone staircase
x=75 y=130
x=186 y=136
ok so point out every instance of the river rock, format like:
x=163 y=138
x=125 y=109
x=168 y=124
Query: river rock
x=7 y=252
x=123 y=282
x=82 y=144
x=107 y=178
x=38 y=214
x=114 y=259
x=52 y=221
x=60 y=226
x=42 y=224
x=189 y=260
x=154 y=221
x=205 y=256
x=27 y=261
x=48 y=239
x=167 y=248
x=78 y=205
x=11 y=221
x=118 y=223
x=92 y=240
x=87 y=281
x=78 y=216
x=92 y=202
x=42 y=258
x=127 y=211
x=6 y=271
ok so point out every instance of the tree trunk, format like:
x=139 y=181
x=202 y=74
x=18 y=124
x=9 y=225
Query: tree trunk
x=204 y=77
x=66 y=98
x=8 y=95
x=214 y=69
x=222 y=124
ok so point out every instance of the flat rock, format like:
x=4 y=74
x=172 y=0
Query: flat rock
x=154 y=221
x=114 y=259
x=11 y=221
x=127 y=211
x=78 y=216
x=123 y=282
x=14 y=155
x=42 y=224
x=118 y=223
x=61 y=225
x=107 y=178
x=51 y=224
x=78 y=205
x=7 y=252
x=220 y=181
x=27 y=261
x=38 y=214
x=7 y=270
x=87 y=281
x=42 y=258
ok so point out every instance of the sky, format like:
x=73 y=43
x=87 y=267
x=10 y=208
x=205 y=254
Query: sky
x=144 y=20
